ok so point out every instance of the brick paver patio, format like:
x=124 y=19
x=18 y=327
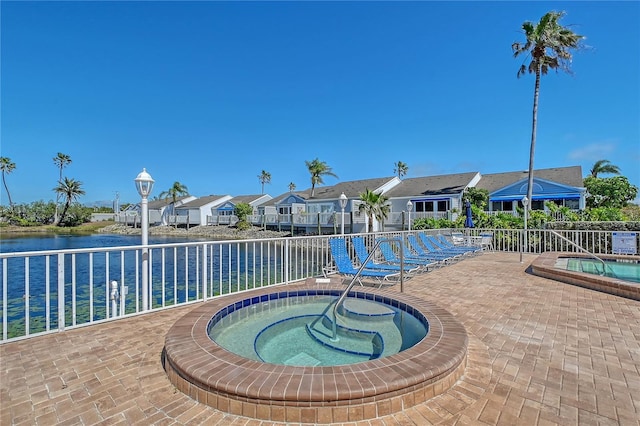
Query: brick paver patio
x=540 y=352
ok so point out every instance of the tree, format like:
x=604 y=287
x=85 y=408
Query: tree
x=374 y=206
x=604 y=166
x=173 y=193
x=61 y=161
x=70 y=190
x=7 y=166
x=613 y=192
x=318 y=169
x=292 y=186
x=264 y=177
x=478 y=197
x=548 y=44
x=242 y=210
x=400 y=169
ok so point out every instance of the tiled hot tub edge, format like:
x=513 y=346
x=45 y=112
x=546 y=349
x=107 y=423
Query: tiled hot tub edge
x=544 y=266
x=361 y=391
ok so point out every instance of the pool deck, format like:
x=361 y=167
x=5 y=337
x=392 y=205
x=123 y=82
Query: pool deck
x=540 y=352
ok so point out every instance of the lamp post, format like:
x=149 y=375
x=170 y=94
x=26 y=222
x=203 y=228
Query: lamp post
x=144 y=185
x=343 y=205
x=409 y=208
x=525 y=204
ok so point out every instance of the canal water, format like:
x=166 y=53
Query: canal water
x=38 y=242
x=86 y=278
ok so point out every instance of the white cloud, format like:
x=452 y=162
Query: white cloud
x=593 y=152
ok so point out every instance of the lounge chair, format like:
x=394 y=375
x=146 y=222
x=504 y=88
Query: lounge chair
x=431 y=251
x=442 y=241
x=434 y=243
x=345 y=266
x=391 y=257
x=362 y=254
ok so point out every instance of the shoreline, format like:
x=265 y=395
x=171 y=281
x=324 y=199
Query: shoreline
x=208 y=231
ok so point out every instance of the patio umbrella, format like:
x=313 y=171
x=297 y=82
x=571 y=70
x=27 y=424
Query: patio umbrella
x=468 y=223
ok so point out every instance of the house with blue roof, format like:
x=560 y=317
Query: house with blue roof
x=562 y=186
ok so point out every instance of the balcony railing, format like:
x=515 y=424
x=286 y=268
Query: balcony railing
x=47 y=291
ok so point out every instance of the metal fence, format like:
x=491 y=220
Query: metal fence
x=47 y=291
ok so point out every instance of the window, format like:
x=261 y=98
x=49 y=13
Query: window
x=572 y=204
x=443 y=206
x=537 y=205
x=423 y=206
x=507 y=206
x=284 y=210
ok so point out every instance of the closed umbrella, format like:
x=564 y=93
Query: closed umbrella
x=468 y=223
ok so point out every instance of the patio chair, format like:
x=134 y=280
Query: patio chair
x=390 y=256
x=362 y=254
x=431 y=251
x=344 y=265
x=486 y=241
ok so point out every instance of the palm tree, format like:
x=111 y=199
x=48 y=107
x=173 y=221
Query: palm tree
x=61 y=161
x=400 y=169
x=548 y=45
x=374 y=206
x=292 y=186
x=604 y=166
x=318 y=169
x=7 y=166
x=173 y=193
x=264 y=177
x=70 y=190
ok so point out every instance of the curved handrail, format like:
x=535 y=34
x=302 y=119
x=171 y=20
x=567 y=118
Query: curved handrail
x=604 y=264
x=334 y=328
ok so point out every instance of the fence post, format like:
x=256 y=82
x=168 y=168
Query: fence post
x=61 y=315
x=287 y=254
x=204 y=273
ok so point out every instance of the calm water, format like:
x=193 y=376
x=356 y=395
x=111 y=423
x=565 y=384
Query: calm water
x=173 y=278
x=63 y=242
x=627 y=271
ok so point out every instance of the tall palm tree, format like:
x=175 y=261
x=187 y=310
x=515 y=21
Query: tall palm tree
x=70 y=190
x=374 y=206
x=173 y=193
x=61 y=161
x=400 y=169
x=318 y=169
x=548 y=45
x=264 y=177
x=292 y=186
x=604 y=166
x=7 y=166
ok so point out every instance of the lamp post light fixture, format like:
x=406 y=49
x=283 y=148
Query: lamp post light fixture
x=343 y=205
x=525 y=205
x=144 y=185
x=409 y=208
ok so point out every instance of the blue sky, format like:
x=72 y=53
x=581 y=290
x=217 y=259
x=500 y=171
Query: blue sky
x=211 y=93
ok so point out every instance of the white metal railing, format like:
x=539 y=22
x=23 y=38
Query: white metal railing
x=47 y=291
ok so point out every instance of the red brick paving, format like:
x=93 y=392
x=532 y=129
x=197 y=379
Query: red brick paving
x=540 y=352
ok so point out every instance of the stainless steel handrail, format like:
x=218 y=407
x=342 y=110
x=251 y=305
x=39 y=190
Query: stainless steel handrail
x=604 y=264
x=334 y=328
